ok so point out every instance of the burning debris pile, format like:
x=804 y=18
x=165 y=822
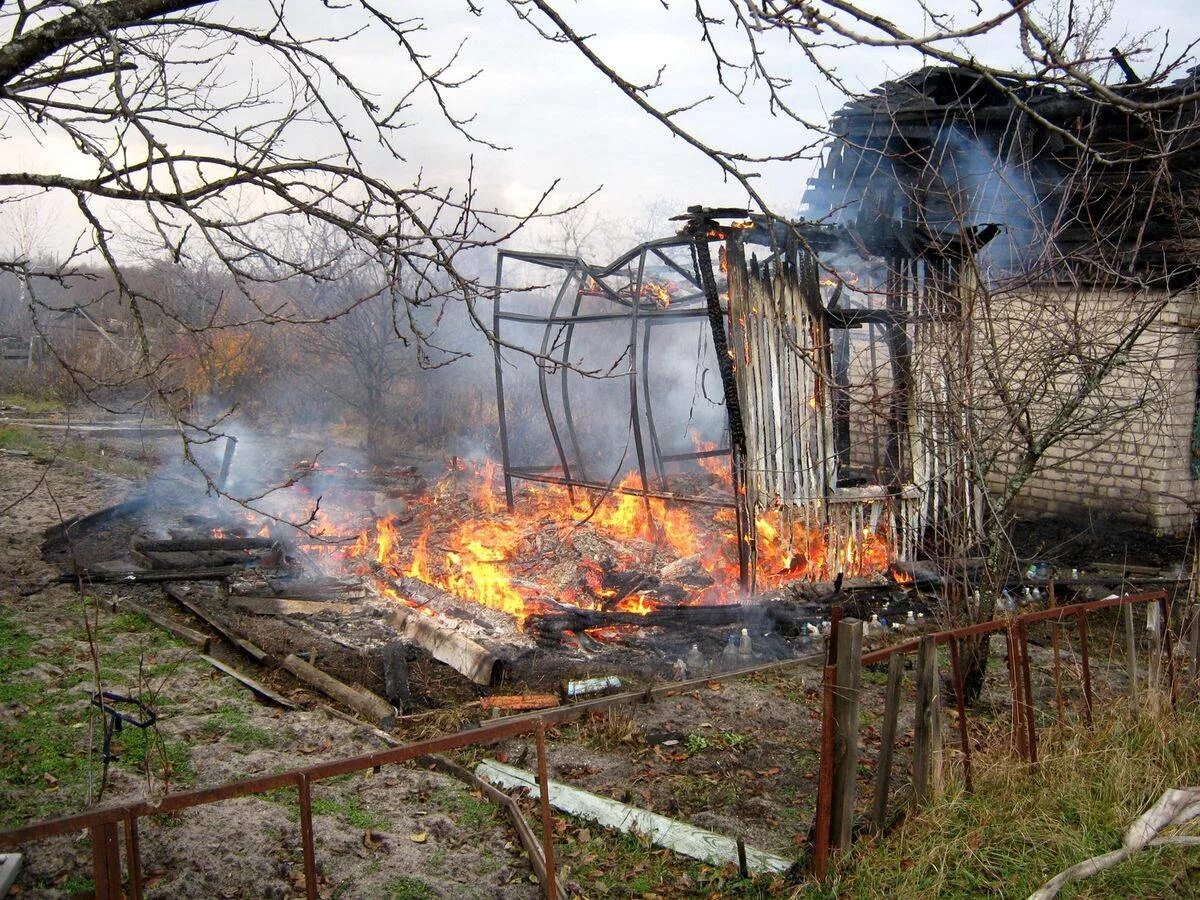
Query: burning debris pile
x=557 y=586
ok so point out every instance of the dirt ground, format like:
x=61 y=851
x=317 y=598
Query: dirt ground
x=739 y=757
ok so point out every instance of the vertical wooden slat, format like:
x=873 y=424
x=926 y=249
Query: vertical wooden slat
x=887 y=742
x=1131 y=664
x=927 y=732
x=846 y=699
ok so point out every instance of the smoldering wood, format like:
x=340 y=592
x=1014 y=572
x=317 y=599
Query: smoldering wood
x=483 y=618
x=216 y=622
x=193 y=544
x=185 y=634
x=370 y=706
x=395 y=674
x=256 y=687
x=463 y=654
x=57 y=534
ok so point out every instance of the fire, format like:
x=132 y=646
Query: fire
x=463 y=539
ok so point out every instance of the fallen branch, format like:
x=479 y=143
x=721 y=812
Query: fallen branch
x=680 y=837
x=1174 y=807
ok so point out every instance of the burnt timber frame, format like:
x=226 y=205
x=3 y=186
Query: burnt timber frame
x=623 y=282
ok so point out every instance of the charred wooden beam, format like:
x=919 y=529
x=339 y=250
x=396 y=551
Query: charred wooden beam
x=193 y=545
x=460 y=652
x=143 y=577
x=368 y=705
x=216 y=622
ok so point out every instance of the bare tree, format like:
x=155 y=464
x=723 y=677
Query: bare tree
x=190 y=122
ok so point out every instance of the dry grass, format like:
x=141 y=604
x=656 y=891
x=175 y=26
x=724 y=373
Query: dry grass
x=1026 y=823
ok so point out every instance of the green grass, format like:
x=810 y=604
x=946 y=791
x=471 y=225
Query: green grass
x=232 y=722
x=45 y=757
x=465 y=809
x=1025 y=824
x=71 y=452
x=408 y=888
x=39 y=403
x=626 y=865
x=349 y=811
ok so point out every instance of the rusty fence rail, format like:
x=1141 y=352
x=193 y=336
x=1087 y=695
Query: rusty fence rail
x=839 y=726
x=106 y=823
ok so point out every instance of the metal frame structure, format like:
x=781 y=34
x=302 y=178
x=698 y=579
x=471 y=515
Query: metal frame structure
x=789 y=250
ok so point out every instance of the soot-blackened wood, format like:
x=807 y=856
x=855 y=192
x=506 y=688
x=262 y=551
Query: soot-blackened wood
x=214 y=573
x=462 y=653
x=216 y=622
x=583 y=619
x=192 y=545
x=58 y=534
x=395 y=673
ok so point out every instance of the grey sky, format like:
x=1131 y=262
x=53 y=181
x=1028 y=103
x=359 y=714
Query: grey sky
x=562 y=119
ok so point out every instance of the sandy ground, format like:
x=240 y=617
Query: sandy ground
x=739 y=758
x=402 y=833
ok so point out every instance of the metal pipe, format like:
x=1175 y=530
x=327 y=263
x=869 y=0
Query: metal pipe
x=824 y=815
x=544 y=392
x=1081 y=617
x=501 y=418
x=306 y=837
x=1026 y=679
x=550 y=887
x=635 y=418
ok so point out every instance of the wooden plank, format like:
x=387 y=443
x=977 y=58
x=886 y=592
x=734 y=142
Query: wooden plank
x=205 y=574
x=680 y=837
x=261 y=690
x=1131 y=656
x=185 y=634
x=197 y=545
x=927 y=736
x=370 y=706
x=223 y=628
x=847 y=689
x=282 y=606
x=887 y=742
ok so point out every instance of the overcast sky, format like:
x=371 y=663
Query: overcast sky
x=562 y=119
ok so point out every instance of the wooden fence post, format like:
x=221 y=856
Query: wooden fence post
x=927 y=732
x=887 y=742
x=845 y=735
x=1131 y=656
